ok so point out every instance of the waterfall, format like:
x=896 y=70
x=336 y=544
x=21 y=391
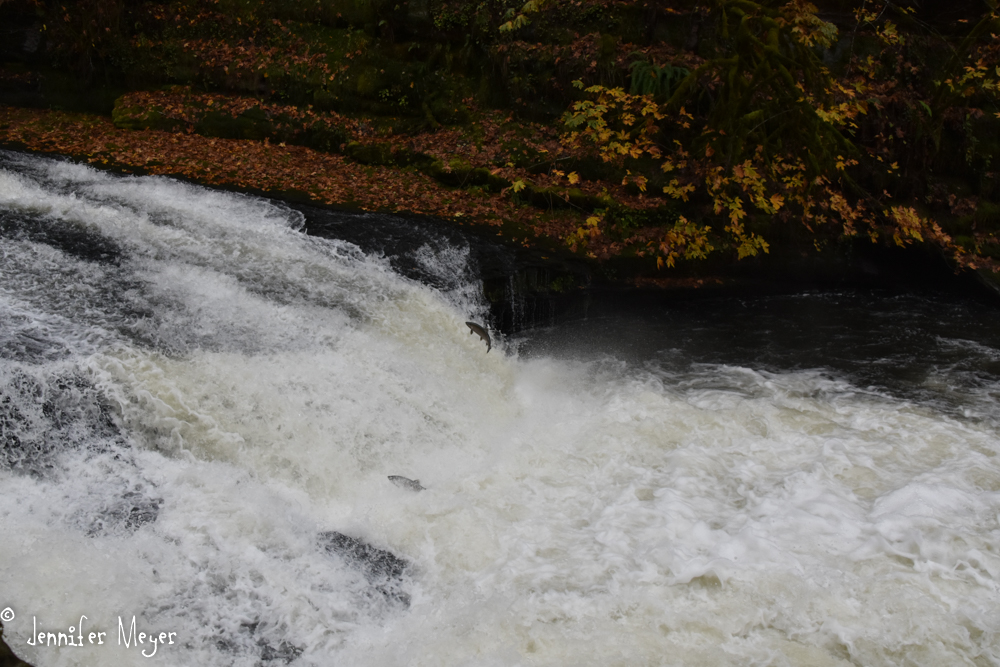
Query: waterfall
x=201 y=404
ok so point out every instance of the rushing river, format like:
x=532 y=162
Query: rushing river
x=195 y=395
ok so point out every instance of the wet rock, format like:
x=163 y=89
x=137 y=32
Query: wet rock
x=383 y=569
x=282 y=652
x=7 y=656
x=126 y=515
x=256 y=123
x=42 y=414
x=524 y=288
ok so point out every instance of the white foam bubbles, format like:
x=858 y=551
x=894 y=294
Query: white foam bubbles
x=256 y=386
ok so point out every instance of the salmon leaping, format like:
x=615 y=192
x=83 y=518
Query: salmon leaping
x=406 y=483
x=483 y=335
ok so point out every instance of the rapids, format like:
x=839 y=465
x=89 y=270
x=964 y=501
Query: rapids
x=193 y=392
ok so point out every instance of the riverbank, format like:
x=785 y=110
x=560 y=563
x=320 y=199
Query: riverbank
x=646 y=139
x=295 y=172
x=305 y=175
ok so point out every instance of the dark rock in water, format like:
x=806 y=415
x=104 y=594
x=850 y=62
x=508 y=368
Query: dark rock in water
x=283 y=652
x=145 y=511
x=43 y=414
x=524 y=288
x=72 y=239
x=248 y=643
x=7 y=657
x=376 y=563
x=406 y=483
x=383 y=569
x=133 y=511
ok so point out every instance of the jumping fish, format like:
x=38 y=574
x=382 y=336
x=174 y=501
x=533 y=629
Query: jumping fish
x=406 y=483
x=483 y=335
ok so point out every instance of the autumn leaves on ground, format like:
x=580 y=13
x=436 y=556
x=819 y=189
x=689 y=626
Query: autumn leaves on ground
x=277 y=168
x=334 y=178
x=654 y=130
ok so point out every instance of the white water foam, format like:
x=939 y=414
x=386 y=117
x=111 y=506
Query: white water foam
x=192 y=418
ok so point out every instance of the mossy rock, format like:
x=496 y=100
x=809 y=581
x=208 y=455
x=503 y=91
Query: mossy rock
x=449 y=112
x=483 y=177
x=326 y=139
x=546 y=197
x=624 y=221
x=561 y=198
x=254 y=123
x=453 y=173
x=580 y=199
x=377 y=154
x=460 y=174
x=251 y=124
x=143 y=118
x=385 y=154
x=367 y=82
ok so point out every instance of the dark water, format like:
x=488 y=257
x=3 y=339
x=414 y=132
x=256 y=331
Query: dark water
x=930 y=347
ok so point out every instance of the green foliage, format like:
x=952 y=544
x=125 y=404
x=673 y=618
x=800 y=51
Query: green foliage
x=685 y=240
x=619 y=124
x=772 y=95
x=766 y=116
x=658 y=81
x=482 y=21
x=769 y=132
x=452 y=17
x=622 y=222
x=519 y=19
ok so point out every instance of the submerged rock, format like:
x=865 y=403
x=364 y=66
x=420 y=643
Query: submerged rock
x=42 y=414
x=7 y=656
x=281 y=651
x=126 y=514
x=383 y=569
